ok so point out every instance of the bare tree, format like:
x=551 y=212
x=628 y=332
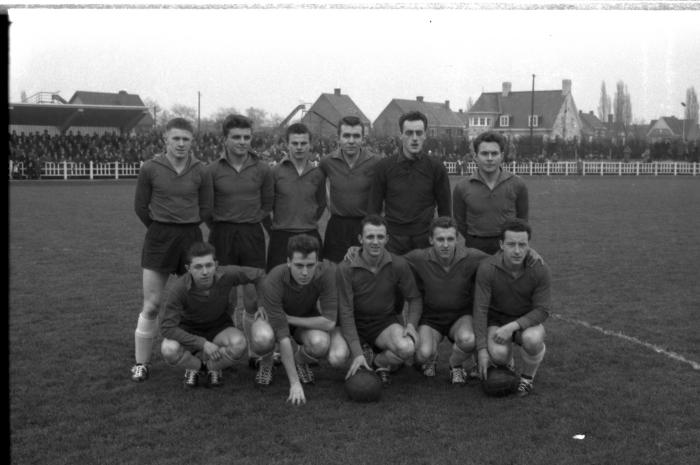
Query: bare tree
x=222 y=113
x=622 y=106
x=257 y=115
x=23 y=96
x=184 y=111
x=604 y=106
x=691 y=105
x=470 y=103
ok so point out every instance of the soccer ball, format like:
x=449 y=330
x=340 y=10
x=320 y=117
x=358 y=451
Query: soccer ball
x=364 y=386
x=500 y=381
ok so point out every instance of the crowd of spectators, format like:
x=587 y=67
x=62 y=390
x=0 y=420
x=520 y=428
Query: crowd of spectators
x=37 y=148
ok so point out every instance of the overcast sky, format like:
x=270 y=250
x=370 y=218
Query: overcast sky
x=275 y=58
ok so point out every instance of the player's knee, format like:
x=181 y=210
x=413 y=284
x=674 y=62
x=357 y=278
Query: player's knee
x=500 y=354
x=235 y=346
x=424 y=352
x=533 y=339
x=262 y=337
x=171 y=350
x=465 y=341
x=338 y=356
x=317 y=344
x=150 y=309
x=405 y=348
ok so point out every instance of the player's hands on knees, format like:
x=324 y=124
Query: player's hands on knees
x=296 y=394
x=504 y=334
x=212 y=351
x=359 y=361
x=533 y=258
x=261 y=313
x=483 y=360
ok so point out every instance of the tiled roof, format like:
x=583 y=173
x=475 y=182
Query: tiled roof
x=344 y=105
x=106 y=98
x=438 y=113
x=519 y=104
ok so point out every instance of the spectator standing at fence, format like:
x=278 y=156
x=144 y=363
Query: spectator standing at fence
x=490 y=196
x=349 y=170
x=511 y=301
x=242 y=198
x=409 y=187
x=173 y=196
x=300 y=195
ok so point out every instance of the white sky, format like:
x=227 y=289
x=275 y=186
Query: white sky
x=277 y=57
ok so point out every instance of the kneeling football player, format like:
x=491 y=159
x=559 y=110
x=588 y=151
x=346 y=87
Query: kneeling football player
x=198 y=333
x=301 y=302
x=366 y=298
x=511 y=301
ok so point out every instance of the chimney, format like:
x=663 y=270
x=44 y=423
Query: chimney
x=610 y=118
x=419 y=98
x=336 y=91
x=566 y=87
x=506 y=89
x=447 y=104
x=590 y=112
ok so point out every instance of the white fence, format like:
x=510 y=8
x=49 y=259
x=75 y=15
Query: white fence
x=71 y=170
x=117 y=170
x=587 y=168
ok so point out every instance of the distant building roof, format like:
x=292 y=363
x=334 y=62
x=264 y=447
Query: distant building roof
x=519 y=105
x=439 y=114
x=591 y=121
x=82 y=97
x=341 y=105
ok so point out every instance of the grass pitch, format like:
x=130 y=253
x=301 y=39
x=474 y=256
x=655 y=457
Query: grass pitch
x=623 y=252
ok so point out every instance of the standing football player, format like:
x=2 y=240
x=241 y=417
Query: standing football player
x=366 y=307
x=490 y=196
x=173 y=196
x=511 y=301
x=300 y=195
x=197 y=330
x=349 y=171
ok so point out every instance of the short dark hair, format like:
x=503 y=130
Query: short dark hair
x=351 y=121
x=413 y=116
x=304 y=244
x=200 y=249
x=443 y=222
x=515 y=225
x=490 y=136
x=298 y=128
x=374 y=220
x=236 y=121
x=179 y=123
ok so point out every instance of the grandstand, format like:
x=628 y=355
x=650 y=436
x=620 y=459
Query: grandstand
x=86 y=112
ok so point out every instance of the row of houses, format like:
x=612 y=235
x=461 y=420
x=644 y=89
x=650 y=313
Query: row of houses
x=549 y=114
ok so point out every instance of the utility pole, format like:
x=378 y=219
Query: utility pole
x=532 y=114
x=199 y=107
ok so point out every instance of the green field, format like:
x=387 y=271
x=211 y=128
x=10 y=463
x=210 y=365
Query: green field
x=624 y=254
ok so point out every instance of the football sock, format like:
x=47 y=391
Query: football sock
x=144 y=336
x=214 y=365
x=531 y=362
x=457 y=357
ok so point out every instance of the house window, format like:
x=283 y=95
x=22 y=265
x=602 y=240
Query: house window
x=431 y=132
x=479 y=121
x=533 y=120
x=504 y=121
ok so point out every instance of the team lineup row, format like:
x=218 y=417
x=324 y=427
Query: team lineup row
x=408 y=258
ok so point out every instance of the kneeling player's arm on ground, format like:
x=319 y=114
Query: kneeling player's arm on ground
x=482 y=300
x=346 y=314
x=296 y=392
x=170 y=314
x=541 y=299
